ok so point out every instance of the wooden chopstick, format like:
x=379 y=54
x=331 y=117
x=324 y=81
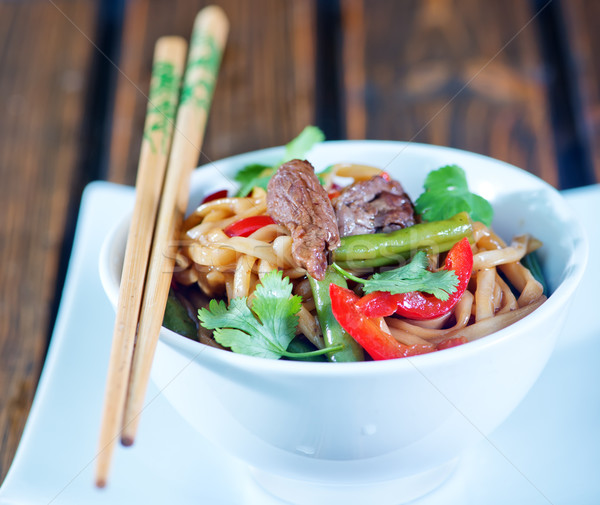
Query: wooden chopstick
x=167 y=70
x=208 y=41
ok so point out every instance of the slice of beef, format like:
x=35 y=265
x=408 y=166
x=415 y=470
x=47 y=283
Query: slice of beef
x=373 y=206
x=296 y=200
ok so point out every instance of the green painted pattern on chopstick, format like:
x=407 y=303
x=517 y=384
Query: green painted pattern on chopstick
x=162 y=103
x=201 y=71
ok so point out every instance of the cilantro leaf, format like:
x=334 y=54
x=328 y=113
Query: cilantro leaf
x=447 y=193
x=238 y=315
x=276 y=307
x=413 y=276
x=266 y=329
x=239 y=342
x=258 y=175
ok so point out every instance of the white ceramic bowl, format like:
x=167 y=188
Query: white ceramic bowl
x=373 y=432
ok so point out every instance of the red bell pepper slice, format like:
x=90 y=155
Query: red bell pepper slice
x=420 y=306
x=247 y=226
x=378 y=304
x=215 y=196
x=379 y=344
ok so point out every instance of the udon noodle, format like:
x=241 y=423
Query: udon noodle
x=500 y=292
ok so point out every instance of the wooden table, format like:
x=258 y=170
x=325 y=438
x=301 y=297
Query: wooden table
x=517 y=80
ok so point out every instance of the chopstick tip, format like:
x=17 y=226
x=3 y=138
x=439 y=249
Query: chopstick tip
x=127 y=441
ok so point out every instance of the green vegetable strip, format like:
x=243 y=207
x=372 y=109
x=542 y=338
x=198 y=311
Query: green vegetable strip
x=393 y=259
x=333 y=333
x=311 y=354
x=177 y=319
x=531 y=261
x=300 y=345
x=379 y=249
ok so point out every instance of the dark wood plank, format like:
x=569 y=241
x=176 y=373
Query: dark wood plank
x=459 y=73
x=265 y=91
x=583 y=42
x=44 y=58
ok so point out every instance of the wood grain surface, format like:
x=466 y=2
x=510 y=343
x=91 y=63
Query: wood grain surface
x=43 y=84
x=454 y=75
x=517 y=80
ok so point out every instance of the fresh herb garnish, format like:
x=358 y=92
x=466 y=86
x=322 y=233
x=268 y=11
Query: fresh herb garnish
x=258 y=175
x=303 y=143
x=447 y=193
x=251 y=176
x=266 y=329
x=413 y=276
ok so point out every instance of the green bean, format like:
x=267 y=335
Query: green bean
x=369 y=264
x=333 y=333
x=379 y=249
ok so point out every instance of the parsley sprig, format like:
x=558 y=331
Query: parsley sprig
x=447 y=193
x=265 y=329
x=413 y=276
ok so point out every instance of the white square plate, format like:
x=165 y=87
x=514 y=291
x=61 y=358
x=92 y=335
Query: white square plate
x=547 y=452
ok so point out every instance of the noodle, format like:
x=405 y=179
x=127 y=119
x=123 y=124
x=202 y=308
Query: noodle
x=268 y=233
x=264 y=267
x=212 y=256
x=249 y=246
x=283 y=249
x=509 y=302
x=241 y=278
x=484 y=295
x=308 y=326
x=405 y=337
x=186 y=277
x=492 y=258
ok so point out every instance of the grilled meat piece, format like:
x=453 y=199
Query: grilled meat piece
x=296 y=200
x=373 y=206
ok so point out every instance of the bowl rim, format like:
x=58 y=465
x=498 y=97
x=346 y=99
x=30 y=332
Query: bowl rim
x=197 y=351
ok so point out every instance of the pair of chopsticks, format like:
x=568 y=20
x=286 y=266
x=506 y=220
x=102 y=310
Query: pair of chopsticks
x=173 y=133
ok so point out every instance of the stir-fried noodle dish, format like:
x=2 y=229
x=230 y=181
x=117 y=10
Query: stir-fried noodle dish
x=298 y=266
